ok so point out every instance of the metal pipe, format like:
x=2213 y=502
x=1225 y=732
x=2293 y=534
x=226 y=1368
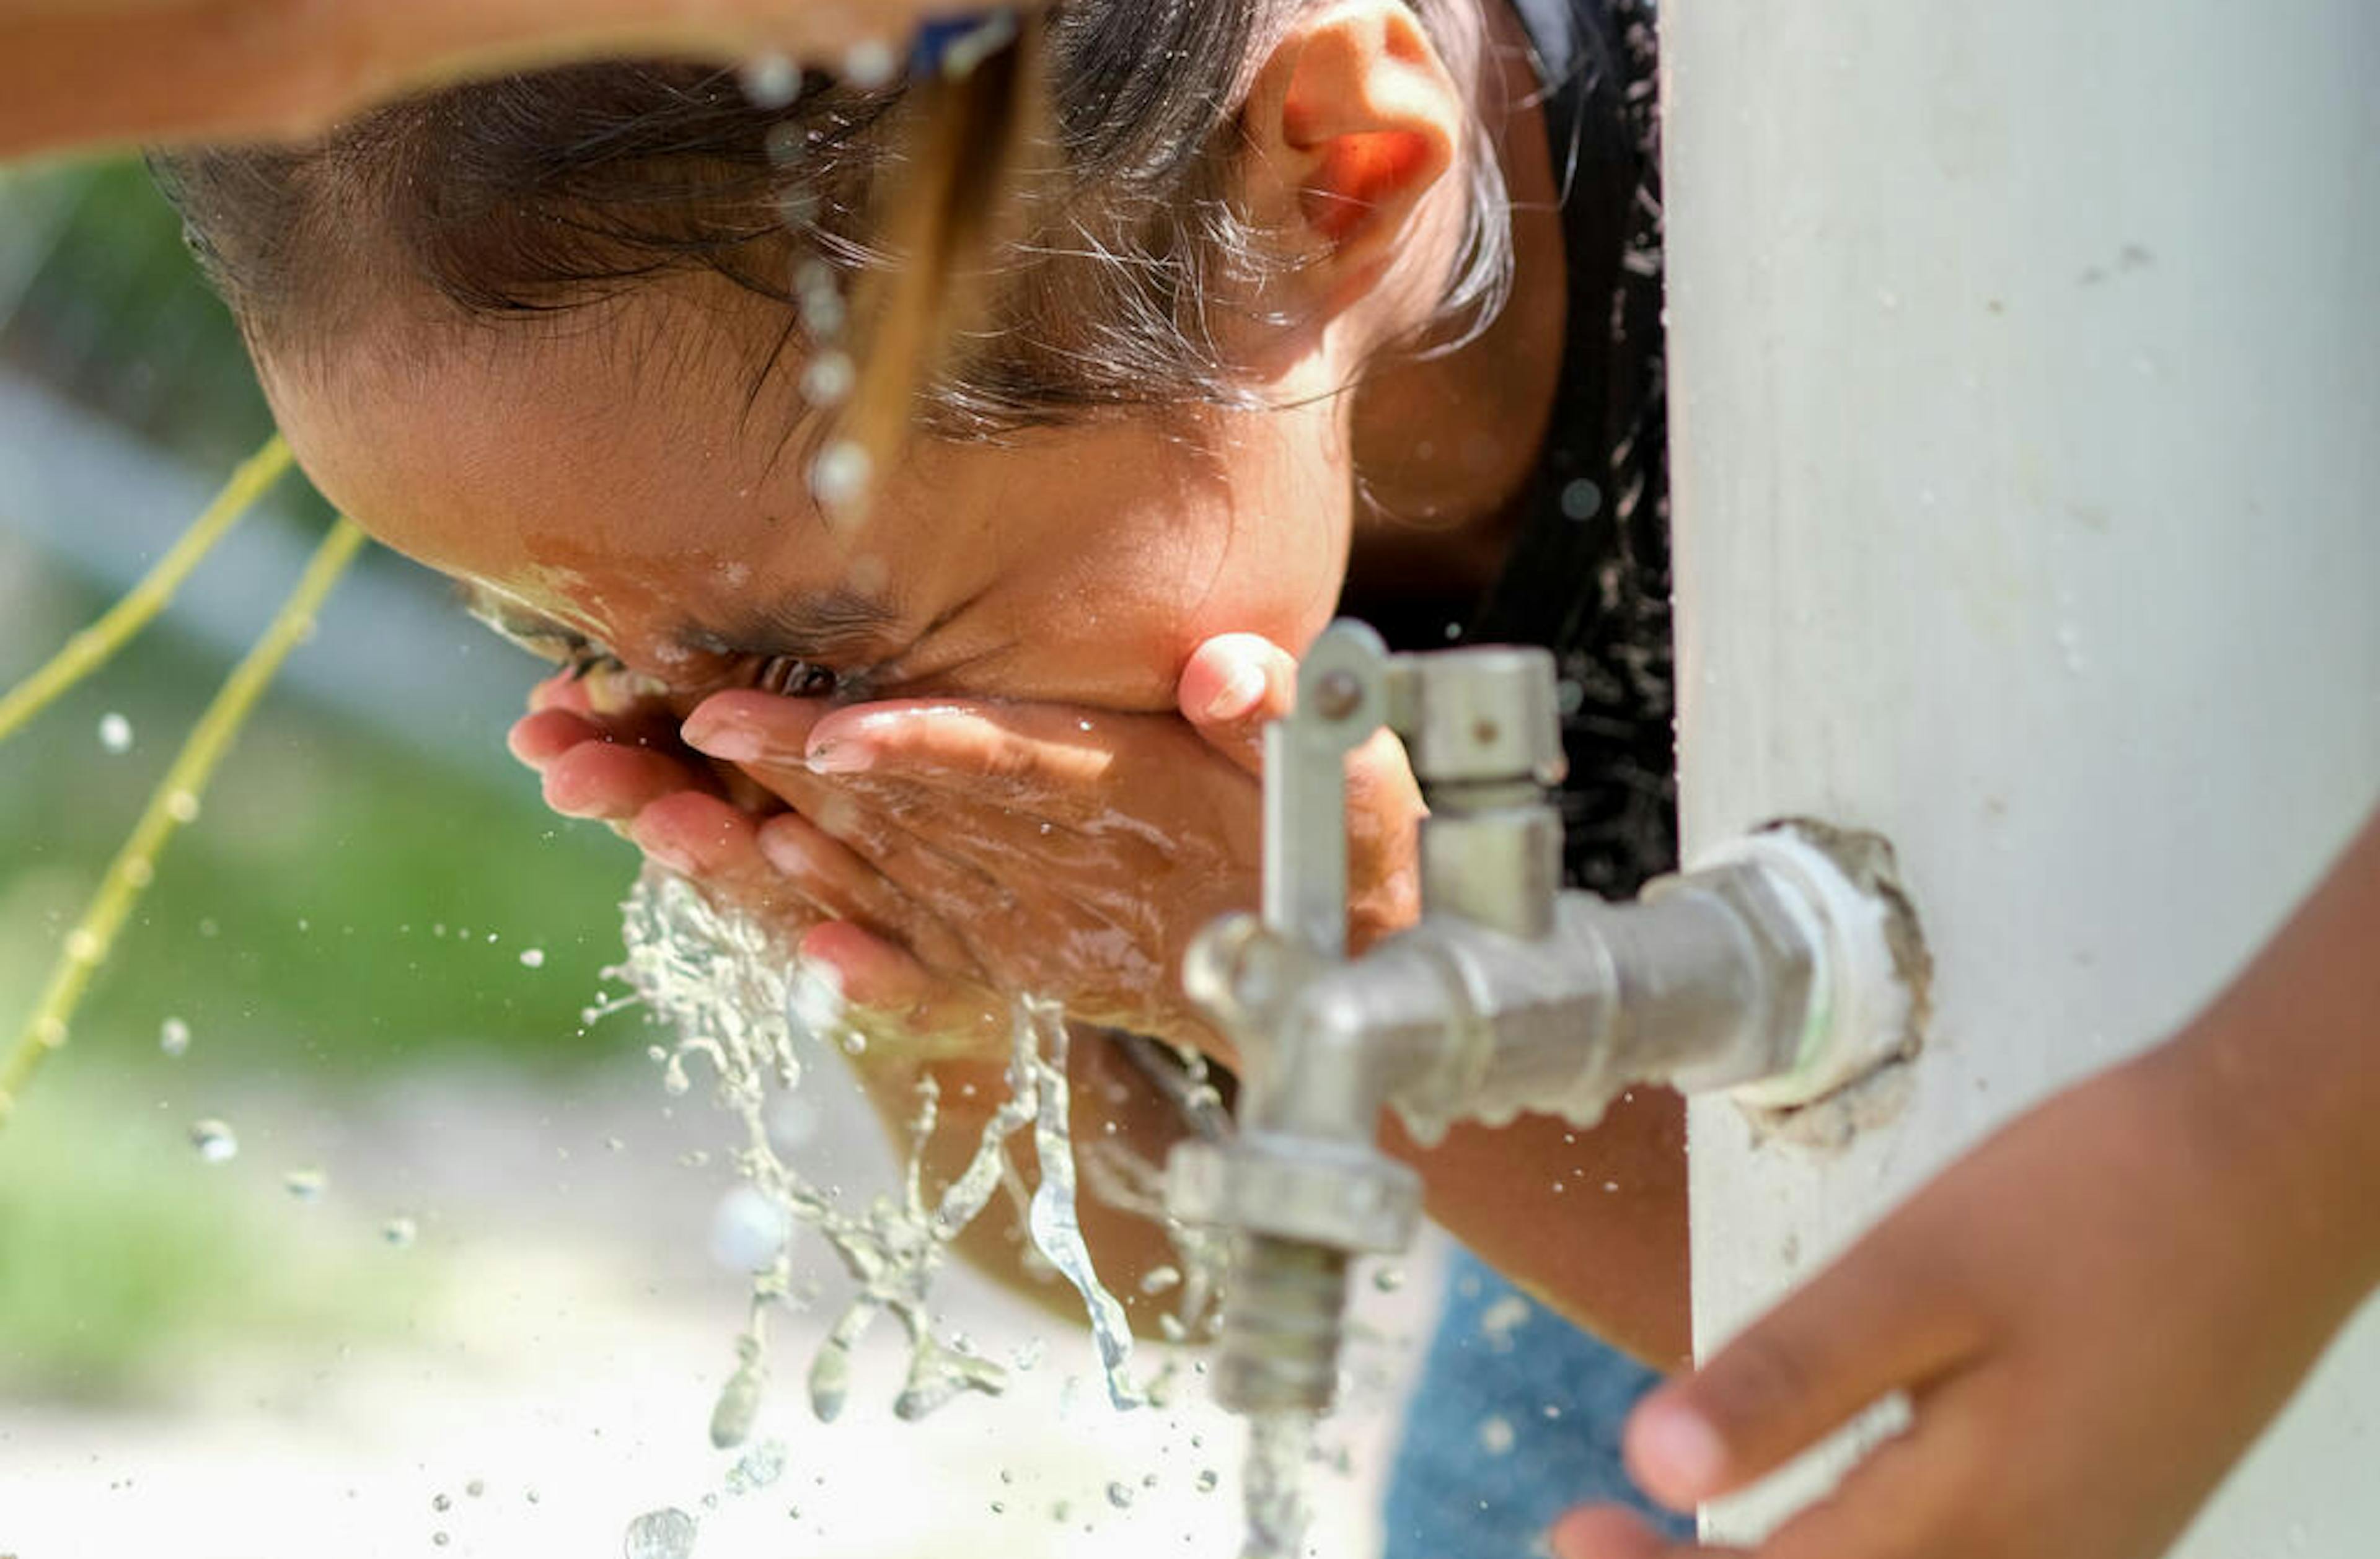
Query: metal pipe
x=1776 y=965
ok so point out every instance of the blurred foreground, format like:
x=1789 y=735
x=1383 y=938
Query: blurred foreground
x=554 y=1339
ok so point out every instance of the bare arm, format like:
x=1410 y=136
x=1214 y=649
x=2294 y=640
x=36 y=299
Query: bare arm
x=1591 y=1224
x=84 y=73
x=2096 y=1312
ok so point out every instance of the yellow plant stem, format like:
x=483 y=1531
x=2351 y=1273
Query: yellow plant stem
x=175 y=804
x=92 y=648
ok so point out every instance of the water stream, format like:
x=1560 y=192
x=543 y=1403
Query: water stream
x=721 y=982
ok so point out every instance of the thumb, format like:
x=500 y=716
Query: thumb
x=1871 y=1324
x=1231 y=686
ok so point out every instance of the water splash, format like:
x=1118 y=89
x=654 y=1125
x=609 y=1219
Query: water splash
x=660 y=1534
x=1056 y=1231
x=213 y=1141
x=722 y=982
x=1273 y=1484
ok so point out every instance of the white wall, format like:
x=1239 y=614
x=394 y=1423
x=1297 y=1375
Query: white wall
x=2026 y=400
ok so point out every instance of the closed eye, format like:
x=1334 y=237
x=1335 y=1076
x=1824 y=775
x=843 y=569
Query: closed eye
x=791 y=677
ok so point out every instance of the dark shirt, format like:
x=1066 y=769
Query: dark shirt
x=1589 y=573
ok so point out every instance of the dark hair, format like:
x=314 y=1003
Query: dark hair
x=534 y=193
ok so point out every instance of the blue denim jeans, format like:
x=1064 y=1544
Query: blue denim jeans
x=1517 y=1419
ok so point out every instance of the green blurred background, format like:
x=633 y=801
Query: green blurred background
x=352 y=906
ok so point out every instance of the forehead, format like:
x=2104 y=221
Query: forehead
x=616 y=470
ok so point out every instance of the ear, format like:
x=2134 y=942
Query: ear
x=1353 y=120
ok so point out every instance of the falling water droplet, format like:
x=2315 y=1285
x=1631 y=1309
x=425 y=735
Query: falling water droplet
x=1207 y=1480
x=442 y=1502
x=304 y=1185
x=214 y=1142
x=841 y=475
x=770 y=82
x=1119 y=1495
x=1495 y=1435
x=829 y=1379
x=659 y=1534
x=115 y=732
x=182 y=806
x=739 y=1399
x=869 y=64
x=399 y=1232
x=1501 y=1319
x=173 y=1037
x=828 y=380
x=749 y=1230
x=1389 y=1279
x=758 y=1467
x=532 y=957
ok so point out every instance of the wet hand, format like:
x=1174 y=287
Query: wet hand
x=2091 y=1316
x=608 y=751
x=971 y=849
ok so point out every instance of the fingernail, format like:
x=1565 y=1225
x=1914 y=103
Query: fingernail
x=1676 y=1451
x=1238 y=695
x=839 y=757
x=786 y=852
x=721 y=740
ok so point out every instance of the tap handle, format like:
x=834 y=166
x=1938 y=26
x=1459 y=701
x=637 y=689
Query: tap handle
x=1342 y=696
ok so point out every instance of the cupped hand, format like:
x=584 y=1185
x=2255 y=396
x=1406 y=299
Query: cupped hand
x=609 y=752
x=972 y=849
x=2091 y=1317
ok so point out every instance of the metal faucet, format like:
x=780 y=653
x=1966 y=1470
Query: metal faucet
x=1779 y=969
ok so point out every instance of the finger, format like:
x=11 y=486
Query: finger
x=875 y=977
x=563 y=690
x=1053 y=753
x=636 y=723
x=538 y=739
x=700 y=835
x=744 y=725
x=1609 y=1532
x=608 y=781
x=1233 y=685
x=828 y=875
x=1876 y=1321
x=1926 y=1494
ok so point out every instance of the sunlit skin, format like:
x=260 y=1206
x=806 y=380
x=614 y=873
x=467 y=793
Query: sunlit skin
x=1040 y=774
x=1061 y=645
x=1078 y=568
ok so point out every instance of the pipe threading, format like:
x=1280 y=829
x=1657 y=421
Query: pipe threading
x=1282 y=1328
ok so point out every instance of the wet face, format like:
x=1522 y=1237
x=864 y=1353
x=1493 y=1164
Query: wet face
x=612 y=486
